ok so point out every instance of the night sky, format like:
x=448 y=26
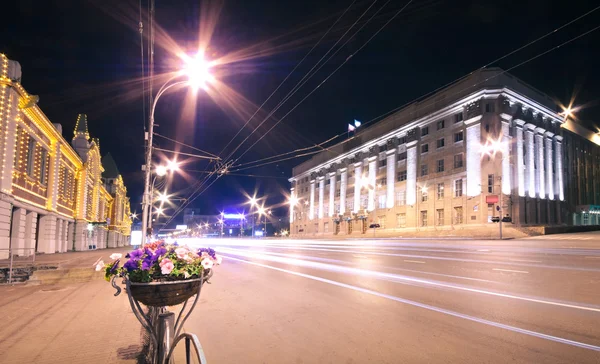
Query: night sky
x=84 y=57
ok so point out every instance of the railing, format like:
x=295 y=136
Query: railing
x=11 y=254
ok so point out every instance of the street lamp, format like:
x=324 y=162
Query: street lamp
x=198 y=73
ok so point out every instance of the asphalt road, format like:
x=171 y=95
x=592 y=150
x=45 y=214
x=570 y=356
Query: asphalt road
x=403 y=301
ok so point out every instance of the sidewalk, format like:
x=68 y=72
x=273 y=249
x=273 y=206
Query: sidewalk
x=70 y=259
x=68 y=323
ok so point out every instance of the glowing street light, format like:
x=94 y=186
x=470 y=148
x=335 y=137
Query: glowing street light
x=172 y=165
x=163 y=197
x=160 y=170
x=198 y=74
x=293 y=200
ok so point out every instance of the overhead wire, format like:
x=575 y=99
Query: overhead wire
x=304 y=79
x=287 y=77
x=185 y=145
x=480 y=68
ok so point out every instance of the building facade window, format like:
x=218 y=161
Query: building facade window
x=31 y=157
x=424 y=130
x=458 y=188
x=382 y=182
x=440 y=143
x=440 y=165
x=458 y=215
x=381 y=221
x=423 y=218
x=401 y=156
x=440 y=191
x=440 y=217
x=458 y=118
x=402 y=176
x=458 y=160
x=401 y=198
x=441 y=124
x=424 y=195
x=402 y=140
x=381 y=202
x=490 y=183
x=401 y=220
x=382 y=162
x=424 y=148
x=459 y=137
x=424 y=170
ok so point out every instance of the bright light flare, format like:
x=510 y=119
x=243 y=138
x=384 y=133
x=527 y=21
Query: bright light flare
x=163 y=197
x=293 y=200
x=161 y=170
x=198 y=71
x=159 y=211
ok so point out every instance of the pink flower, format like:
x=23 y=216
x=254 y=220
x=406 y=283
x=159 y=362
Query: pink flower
x=166 y=266
x=188 y=258
x=207 y=263
x=219 y=259
x=181 y=252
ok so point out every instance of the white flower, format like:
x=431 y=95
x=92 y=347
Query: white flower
x=115 y=256
x=186 y=275
x=100 y=266
x=207 y=263
x=219 y=259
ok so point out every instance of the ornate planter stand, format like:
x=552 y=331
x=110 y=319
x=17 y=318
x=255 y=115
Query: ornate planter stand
x=162 y=328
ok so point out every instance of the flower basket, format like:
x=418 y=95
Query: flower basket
x=159 y=294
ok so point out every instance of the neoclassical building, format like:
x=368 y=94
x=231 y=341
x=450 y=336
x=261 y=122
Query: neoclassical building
x=54 y=196
x=488 y=146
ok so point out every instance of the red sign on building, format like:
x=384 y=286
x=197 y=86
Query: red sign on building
x=491 y=199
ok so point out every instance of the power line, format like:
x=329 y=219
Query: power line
x=328 y=77
x=185 y=145
x=286 y=78
x=303 y=81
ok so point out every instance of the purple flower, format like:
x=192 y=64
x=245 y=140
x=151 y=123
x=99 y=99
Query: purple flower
x=160 y=252
x=147 y=263
x=136 y=254
x=115 y=266
x=131 y=264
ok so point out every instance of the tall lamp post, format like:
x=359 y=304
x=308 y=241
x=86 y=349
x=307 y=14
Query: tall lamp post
x=197 y=74
x=252 y=202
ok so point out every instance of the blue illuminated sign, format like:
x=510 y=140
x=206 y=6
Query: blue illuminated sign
x=234 y=216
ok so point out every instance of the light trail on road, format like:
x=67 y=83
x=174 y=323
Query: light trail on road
x=430 y=307
x=401 y=279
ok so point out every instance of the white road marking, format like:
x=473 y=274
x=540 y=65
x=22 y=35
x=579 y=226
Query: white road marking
x=414 y=261
x=525 y=260
x=360 y=256
x=590 y=257
x=483 y=250
x=510 y=270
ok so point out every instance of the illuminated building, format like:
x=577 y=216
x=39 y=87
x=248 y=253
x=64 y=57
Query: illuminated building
x=447 y=162
x=53 y=196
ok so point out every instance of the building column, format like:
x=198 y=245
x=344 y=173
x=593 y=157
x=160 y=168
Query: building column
x=70 y=235
x=17 y=232
x=321 y=196
x=47 y=235
x=391 y=178
x=559 y=168
x=506 y=184
x=530 y=177
x=30 y=230
x=473 y=160
x=311 y=207
x=81 y=235
x=549 y=165
x=58 y=233
x=292 y=206
x=343 y=188
x=5 y=216
x=411 y=173
x=112 y=243
x=519 y=158
x=372 y=182
x=540 y=177
x=357 y=185
x=331 y=194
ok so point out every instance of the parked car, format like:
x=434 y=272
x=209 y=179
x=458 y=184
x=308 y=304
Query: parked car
x=374 y=226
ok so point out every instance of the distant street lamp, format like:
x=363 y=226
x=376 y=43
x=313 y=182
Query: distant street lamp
x=197 y=73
